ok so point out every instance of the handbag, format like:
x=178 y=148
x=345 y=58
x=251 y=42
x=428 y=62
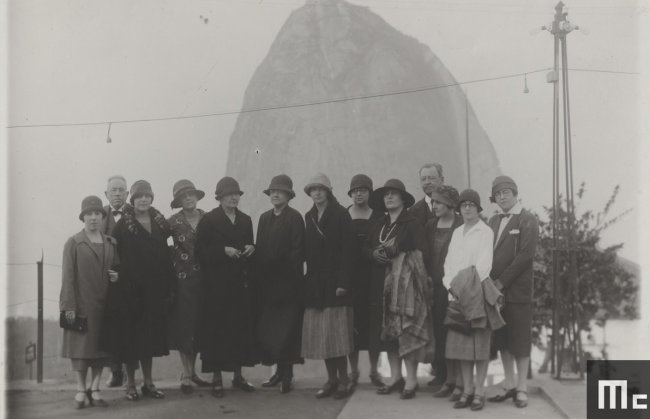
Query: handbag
x=80 y=324
x=455 y=320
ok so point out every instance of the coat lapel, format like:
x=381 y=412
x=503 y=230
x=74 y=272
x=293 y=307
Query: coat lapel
x=514 y=219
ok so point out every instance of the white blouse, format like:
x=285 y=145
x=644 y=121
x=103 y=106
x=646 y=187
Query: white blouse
x=472 y=248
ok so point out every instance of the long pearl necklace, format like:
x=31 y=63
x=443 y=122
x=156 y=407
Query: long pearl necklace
x=381 y=233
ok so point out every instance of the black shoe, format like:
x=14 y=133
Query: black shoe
x=397 y=385
x=273 y=381
x=200 y=381
x=354 y=380
x=152 y=392
x=328 y=389
x=464 y=401
x=436 y=382
x=376 y=379
x=116 y=379
x=445 y=391
x=343 y=391
x=240 y=383
x=285 y=385
x=408 y=394
x=511 y=393
x=454 y=397
x=217 y=389
x=477 y=403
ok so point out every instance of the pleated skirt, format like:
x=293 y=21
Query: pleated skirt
x=327 y=333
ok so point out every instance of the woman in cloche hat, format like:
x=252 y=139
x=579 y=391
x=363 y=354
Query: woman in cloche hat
x=470 y=246
x=327 y=330
x=143 y=298
x=362 y=219
x=224 y=245
x=184 y=318
x=89 y=263
x=280 y=257
x=397 y=247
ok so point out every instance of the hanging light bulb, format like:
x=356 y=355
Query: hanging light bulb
x=108 y=136
x=526 y=84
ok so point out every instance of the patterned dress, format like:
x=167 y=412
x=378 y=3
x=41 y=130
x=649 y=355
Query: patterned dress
x=184 y=318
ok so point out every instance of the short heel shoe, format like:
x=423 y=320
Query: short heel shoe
x=511 y=393
x=273 y=381
x=376 y=379
x=519 y=402
x=328 y=389
x=455 y=395
x=477 y=403
x=397 y=385
x=242 y=384
x=152 y=392
x=464 y=401
x=343 y=391
x=445 y=391
x=408 y=393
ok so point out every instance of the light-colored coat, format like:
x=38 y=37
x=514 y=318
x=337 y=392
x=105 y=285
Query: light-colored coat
x=83 y=289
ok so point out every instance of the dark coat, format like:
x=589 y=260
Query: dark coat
x=279 y=257
x=226 y=333
x=437 y=269
x=139 y=302
x=108 y=222
x=513 y=256
x=421 y=212
x=329 y=252
x=84 y=287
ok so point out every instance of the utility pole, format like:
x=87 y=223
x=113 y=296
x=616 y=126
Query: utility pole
x=565 y=293
x=39 y=338
x=469 y=173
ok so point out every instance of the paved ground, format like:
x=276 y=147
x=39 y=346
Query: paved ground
x=54 y=400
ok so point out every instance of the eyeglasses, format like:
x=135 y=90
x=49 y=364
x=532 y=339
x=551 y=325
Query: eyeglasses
x=467 y=204
x=506 y=193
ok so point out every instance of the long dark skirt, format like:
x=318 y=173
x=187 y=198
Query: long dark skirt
x=279 y=334
x=183 y=320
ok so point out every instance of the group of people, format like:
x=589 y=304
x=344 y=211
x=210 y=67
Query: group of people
x=425 y=282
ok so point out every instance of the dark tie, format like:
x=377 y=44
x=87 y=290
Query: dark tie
x=116 y=212
x=505 y=215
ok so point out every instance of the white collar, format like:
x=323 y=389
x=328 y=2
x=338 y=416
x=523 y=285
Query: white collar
x=480 y=225
x=427 y=198
x=515 y=210
x=121 y=209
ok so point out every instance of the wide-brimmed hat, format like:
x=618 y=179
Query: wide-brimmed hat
x=182 y=187
x=360 y=181
x=227 y=186
x=281 y=183
x=446 y=194
x=469 y=195
x=319 y=179
x=140 y=187
x=503 y=182
x=91 y=203
x=376 y=201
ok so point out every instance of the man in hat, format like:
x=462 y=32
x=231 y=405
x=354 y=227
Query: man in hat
x=431 y=177
x=116 y=193
x=515 y=238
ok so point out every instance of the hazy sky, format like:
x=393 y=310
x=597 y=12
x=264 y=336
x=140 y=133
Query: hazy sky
x=95 y=60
